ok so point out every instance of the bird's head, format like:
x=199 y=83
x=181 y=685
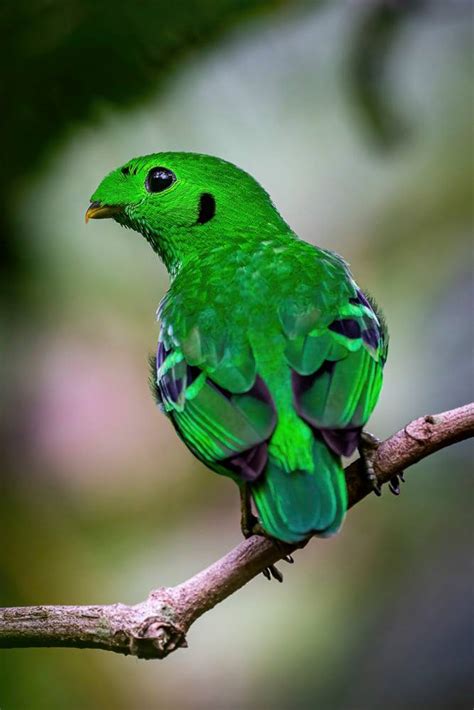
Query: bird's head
x=184 y=203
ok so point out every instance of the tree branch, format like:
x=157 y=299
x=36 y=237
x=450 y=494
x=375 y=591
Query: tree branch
x=156 y=627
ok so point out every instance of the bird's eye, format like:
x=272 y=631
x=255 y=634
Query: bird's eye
x=159 y=179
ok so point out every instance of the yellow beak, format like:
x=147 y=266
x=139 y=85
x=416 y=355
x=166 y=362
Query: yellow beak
x=98 y=211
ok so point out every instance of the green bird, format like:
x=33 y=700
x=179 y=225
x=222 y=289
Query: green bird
x=270 y=357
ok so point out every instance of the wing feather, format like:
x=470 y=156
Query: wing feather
x=337 y=372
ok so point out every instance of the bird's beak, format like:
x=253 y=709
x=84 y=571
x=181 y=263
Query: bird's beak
x=97 y=210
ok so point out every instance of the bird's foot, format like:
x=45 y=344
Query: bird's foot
x=368 y=447
x=251 y=526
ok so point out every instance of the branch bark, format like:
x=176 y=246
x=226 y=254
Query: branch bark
x=156 y=627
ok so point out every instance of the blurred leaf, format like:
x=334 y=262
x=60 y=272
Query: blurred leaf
x=375 y=35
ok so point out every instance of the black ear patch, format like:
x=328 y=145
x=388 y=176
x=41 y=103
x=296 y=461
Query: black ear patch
x=207 y=208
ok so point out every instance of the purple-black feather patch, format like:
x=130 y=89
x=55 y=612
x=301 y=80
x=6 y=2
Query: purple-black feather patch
x=348 y=327
x=169 y=384
x=342 y=441
x=371 y=336
x=250 y=464
x=360 y=299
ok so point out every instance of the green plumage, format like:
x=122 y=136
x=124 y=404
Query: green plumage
x=305 y=500
x=270 y=358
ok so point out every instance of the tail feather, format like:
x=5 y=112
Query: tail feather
x=292 y=506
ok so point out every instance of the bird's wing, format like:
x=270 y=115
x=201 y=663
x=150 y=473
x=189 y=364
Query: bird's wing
x=226 y=428
x=336 y=359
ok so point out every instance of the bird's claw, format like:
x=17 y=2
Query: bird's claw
x=274 y=572
x=375 y=485
x=271 y=571
x=368 y=447
x=394 y=483
x=394 y=486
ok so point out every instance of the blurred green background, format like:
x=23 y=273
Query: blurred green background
x=357 y=117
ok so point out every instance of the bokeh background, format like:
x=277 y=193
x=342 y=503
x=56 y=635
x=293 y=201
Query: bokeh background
x=357 y=117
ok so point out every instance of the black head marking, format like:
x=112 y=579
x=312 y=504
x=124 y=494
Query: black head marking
x=207 y=208
x=126 y=170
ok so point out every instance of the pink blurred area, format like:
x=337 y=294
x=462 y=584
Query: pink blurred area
x=92 y=418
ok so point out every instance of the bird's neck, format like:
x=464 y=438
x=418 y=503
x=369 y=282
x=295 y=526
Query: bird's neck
x=177 y=246
x=171 y=248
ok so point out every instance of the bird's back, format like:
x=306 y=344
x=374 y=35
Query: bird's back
x=276 y=360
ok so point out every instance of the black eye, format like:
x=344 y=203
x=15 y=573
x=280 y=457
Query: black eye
x=159 y=179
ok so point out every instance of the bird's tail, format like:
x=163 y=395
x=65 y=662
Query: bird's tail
x=294 y=505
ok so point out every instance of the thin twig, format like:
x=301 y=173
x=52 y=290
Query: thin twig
x=156 y=627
